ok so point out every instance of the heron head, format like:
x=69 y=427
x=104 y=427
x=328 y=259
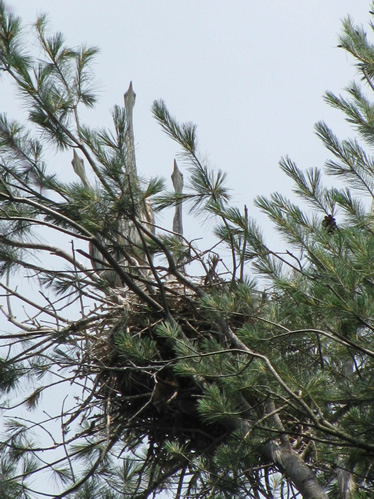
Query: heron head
x=129 y=97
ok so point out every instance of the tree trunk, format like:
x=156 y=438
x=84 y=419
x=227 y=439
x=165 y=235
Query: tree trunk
x=294 y=469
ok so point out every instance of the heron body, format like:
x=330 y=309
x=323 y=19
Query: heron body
x=78 y=165
x=130 y=167
x=144 y=211
x=128 y=234
x=177 y=179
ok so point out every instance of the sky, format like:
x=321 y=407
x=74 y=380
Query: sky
x=251 y=74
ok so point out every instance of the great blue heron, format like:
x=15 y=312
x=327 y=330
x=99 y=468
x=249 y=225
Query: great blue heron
x=144 y=212
x=129 y=236
x=177 y=179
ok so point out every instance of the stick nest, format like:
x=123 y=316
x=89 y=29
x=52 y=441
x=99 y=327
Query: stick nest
x=141 y=394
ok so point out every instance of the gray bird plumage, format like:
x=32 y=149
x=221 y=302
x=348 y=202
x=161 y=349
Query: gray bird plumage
x=129 y=236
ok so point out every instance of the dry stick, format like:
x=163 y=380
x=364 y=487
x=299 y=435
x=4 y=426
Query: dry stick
x=79 y=284
x=153 y=269
x=64 y=440
x=53 y=250
x=12 y=292
x=97 y=243
x=172 y=264
x=44 y=223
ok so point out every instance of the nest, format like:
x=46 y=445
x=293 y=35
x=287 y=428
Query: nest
x=148 y=399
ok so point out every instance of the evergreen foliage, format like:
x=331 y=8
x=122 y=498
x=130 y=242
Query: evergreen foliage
x=204 y=385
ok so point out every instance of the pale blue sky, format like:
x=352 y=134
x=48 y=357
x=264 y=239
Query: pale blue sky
x=250 y=73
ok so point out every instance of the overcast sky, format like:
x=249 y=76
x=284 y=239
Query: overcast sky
x=251 y=75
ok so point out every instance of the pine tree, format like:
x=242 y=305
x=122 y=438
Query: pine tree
x=205 y=385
